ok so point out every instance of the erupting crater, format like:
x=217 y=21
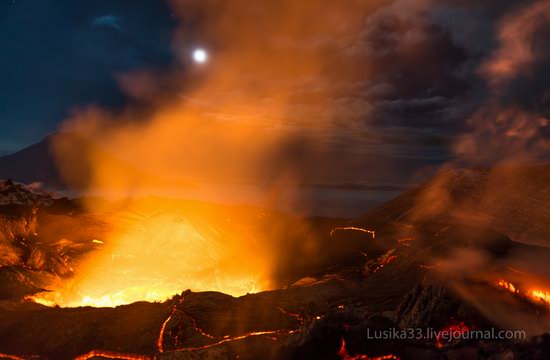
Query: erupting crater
x=152 y=254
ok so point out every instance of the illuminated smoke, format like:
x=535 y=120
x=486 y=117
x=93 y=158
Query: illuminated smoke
x=504 y=130
x=261 y=111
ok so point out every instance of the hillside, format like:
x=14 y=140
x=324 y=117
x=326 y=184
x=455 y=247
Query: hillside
x=36 y=164
x=514 y=201
x=32 y=164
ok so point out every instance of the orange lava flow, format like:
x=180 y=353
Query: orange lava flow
x=385 y=262
x=428 y=267
x=240 y=337
x=507 y=286
x=344 y=355
x=353 y=228
x=10 y=357
x=534 y=294
x=460 y=328
x=161 y=333
x=222 y=339
x=541 y=296
x=298 y=317
x=154 y=249
x=201 y=330
x=405 y=241
x=112 y=355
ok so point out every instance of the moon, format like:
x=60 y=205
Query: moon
x=200 y=56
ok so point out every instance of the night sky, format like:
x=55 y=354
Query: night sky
x=438 y=78
x=58 y=54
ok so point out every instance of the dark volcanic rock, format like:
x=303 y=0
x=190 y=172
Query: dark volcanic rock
x=329 y=311
x=67 y=333
x=431 y=306
x=511 y=200
x=15 y=283
x=40 y=238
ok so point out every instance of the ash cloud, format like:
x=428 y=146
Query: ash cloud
x=393 y=80
x=511 y=125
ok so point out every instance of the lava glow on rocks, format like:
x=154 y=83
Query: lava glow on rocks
x=535 y=295
x=344 y=355
x=541 y=295
x=154 y=255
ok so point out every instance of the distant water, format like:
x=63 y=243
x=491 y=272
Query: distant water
x=344 y=203
x=304 y=201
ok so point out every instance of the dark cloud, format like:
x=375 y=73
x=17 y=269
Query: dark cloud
x=426 y=72
x=402 y=79
x=512 y=124
x=418 y=67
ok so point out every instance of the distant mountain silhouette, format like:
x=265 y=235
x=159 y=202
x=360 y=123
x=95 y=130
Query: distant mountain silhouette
x=32 y=164
x=36 y=163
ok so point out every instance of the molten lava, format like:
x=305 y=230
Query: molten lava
x=241 y=337
x=375 y=265
x=507 y=285
x=541 y=295
x=160 y=340
x=344 y=355
x=298 y=317
x=112 y=355
x=10 y=357
x=405 y=241
x=352 y=228
x=453 y=328
x=385 y=261
x=270 y=334
x=157 y=249
x=534 y=295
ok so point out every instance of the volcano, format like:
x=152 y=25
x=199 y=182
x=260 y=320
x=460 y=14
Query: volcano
x=512 y=200
x=37 y=163
x=404 y=266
